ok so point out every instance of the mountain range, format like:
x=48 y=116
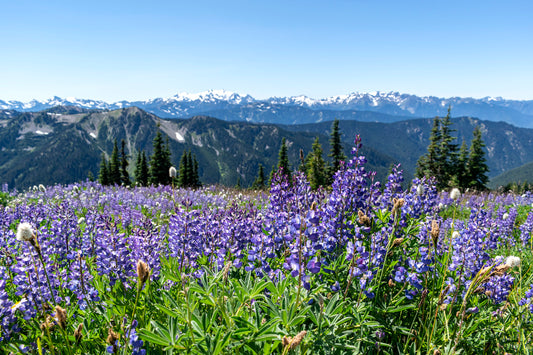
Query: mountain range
x=65 y=144
x=370 y=107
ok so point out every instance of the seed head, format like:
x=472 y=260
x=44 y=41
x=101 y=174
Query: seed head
x=398 y=203
x=435 y=229
x=363 y=219
x=297 y=340
x=77 y=333
x=420 y=190
x=143 y=272
x=61 y=316
x=25 y=232
x=42 y=188
x=512 y=261
x=455 y=194
x=172 y=172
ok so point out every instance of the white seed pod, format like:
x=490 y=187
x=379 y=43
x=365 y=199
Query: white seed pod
x=25 y=232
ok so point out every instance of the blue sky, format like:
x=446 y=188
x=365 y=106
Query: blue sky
x=136 y=50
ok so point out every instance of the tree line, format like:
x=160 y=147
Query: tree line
x=319 y=172
x=452 y=166
x=153 y=170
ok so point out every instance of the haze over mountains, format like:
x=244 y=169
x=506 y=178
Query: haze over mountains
x=370 y=107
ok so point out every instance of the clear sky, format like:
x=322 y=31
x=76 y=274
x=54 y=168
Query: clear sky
x=136 y=50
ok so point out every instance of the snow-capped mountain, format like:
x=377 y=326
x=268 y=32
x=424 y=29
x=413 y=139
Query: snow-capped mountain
x=390 y=106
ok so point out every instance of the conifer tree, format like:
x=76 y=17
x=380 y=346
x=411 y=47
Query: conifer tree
x=141 y=169
x=196 y=174
x=476 y=166
x=448 y=151
x=124 y=175
x=316 y=173
x=440 y=160
x=427 y=165
x=189 y=171
x=283 y=159
x=182 y=170
x=114 y=167
x=160 y=162
x=103 y=175
x=259 y=182
x=336 y=154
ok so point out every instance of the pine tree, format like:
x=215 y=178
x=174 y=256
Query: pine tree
x=448 y=151
x=160 y=162
x=189 y=171
x=124 y=175
x=316 y=172
x=336 y=153
x=427 y=164
x=141 y=169
x=440 y=160
x=145 y=172
x=259 y=182
x=283 y=159
x=103 y=175
x=182 y=170
x=476 y=166
x=114 y=167
x=196 y=174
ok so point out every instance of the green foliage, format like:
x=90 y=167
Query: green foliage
x=188 y=176
x=141 y=169
x=103 y=176
x=476 y=166
x=337 y=153
x=160 y=162
x=124 y=175
x=465 y=169
x=316 y=167
x=260 y=181
x=114 y=167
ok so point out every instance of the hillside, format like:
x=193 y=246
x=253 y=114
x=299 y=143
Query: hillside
x=63 y=145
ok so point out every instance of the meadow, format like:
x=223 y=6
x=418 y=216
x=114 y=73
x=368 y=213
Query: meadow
x=360 y=268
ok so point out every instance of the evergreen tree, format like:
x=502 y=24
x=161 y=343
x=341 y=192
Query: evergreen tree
x=189 y=170
x=114 y=167
x=476 y=166
x=141 y=169
x=427 y=164
x=182 y=170
x=316 y=172
x=124 y=175
x=440 y=160
x=448 y=151
x=336 y=153
x=283 y=159
x=103 y=175
x=196 y=174
x=259 y=182
x=160 y=162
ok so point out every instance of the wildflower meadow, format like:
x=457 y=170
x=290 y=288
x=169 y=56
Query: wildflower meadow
x=360 y=268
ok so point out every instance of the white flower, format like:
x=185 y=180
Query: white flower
x=512 y=261
x=455 y=194
x=172 y=172
x=42 y=188
x=25 y=232
x=420 y=190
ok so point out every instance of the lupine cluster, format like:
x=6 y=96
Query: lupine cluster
x=362 y=241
